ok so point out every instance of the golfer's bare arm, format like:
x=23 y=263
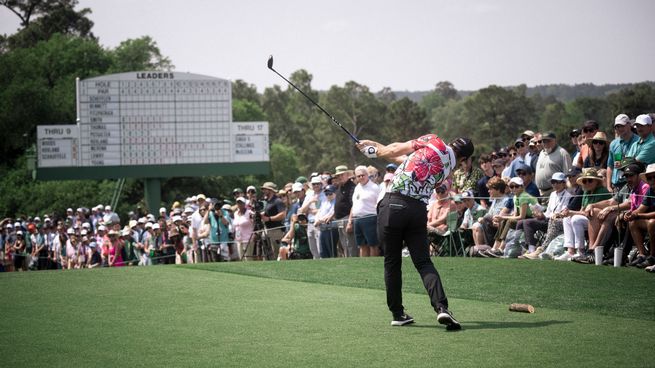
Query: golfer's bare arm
x=395 y=152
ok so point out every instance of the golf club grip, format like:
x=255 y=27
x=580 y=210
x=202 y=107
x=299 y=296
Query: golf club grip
x=317 y=105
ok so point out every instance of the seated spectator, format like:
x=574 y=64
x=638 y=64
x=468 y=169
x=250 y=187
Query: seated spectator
x=94 y=259
x=522 y=210
x=295 y=241
x=603 y=215
x=557 y=202
x=438 y=211
x=576 y=222
x=642 y=220
x=589 y=129
x=525 y=172
x=644 y=148
x=599 y=152
x=471 y=215
x=466 y=177
x=487 y=226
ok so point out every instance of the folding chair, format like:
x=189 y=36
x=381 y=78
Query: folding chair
x=453 y=237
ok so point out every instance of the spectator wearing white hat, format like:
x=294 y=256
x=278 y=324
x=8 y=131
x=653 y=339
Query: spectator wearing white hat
x=72 y=251
x=644 y=149
x=18 y=250
x=199 y=253
x=309 y=208
x=363 y=214
x=251 y=196
x=243 y=225
x=619 y=147
x=162 y=213
x=95 y=260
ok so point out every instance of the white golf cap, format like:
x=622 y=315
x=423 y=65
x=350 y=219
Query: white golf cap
x=621 y=119
x=177 y=218
x=643 y=119
x=558 y=176
x=149 y=225
x=107 y=208
x=163 y=209
x=102 y=228
x=516 y=180
x=241 y=199
x=155 y=226
x=296 y=187
x=188 y=210
x=70 y=231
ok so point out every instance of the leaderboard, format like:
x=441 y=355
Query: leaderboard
x=153 y=118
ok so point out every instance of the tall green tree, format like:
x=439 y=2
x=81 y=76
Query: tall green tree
x=138 y=54
x=41 y=19
x=405 y=120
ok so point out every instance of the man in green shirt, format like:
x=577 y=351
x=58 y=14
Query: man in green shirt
x=644 y=149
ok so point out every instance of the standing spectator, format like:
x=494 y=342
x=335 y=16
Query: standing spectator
x=310 y=208
x=618 y=150
x=94 y=258
x=219 y=236
x=18 y=250
x=466 y=176
x=589 y=129
x=363 y=215
x=519 y=160
x=427 y=162
x=344 y=202
x=573 y=135
x=329 y=235
x=115 y=259
x=243 y=226
x=384 y=187
x=251 y=196
x=552 y=159
x=644 y=149
x=481 y=185
x=273 y=215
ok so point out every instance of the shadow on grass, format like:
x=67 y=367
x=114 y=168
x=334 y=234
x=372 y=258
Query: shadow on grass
x=489 y=325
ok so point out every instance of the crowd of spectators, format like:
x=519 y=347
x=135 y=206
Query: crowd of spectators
x=532 y=200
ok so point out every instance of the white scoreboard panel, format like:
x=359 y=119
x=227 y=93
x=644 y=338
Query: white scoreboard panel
x=57 y=145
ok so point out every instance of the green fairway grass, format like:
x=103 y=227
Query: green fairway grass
x=328 y=313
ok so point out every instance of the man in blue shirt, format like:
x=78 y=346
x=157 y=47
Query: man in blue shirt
x=619 y=148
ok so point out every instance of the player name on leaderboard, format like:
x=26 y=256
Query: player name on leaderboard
x=151 y=118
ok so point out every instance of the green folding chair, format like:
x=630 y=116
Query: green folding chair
x=454 y=246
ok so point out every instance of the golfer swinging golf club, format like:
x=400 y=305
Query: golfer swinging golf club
x=425 y=163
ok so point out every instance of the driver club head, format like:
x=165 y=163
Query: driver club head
x=270 y=62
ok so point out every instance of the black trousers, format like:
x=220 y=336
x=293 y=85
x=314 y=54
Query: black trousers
x=402 y=221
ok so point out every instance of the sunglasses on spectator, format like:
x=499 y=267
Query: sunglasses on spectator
x=513 y=154
x=629 y=175
x=650 y=177
x=587 y=181
x=513 y=186
x=252 y=191
x=519 y=145
x=521 y=173
x=589 y=130
x=553 y=182
x=597 y=142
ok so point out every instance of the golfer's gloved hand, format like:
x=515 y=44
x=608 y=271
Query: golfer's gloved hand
x=370 y=151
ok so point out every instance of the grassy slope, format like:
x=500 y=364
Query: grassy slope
x=184 y=316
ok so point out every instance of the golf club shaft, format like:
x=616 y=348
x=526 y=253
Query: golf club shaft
x=317 y=105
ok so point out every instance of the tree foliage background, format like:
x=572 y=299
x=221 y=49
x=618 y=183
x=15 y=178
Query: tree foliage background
x=55 y=44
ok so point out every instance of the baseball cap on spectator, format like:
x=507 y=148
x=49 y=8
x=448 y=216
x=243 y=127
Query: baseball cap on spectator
x=9 y=226
x=151 y=217
x=148 y=225
x=590 y=125
x=633 y=169
x=516 y=180
x=644 y=119
x=155 y=226
x=132 y=223
x=126 y=231
x=113 y=232
x=503 y=151
x=79 y=209
x=177 y=218
x=558 y=176
x=330 y=189
x=467 y=195
x=301 y=180
x=102 y=228
x=388 y=177
x=313 y=175
x=528 y=133
x=524 y=167
x=142 y=220
x=107 y=208
x=296 y=187
x=70 y=231
x=549 y=135
x=200 y=196
x=93 y=245
x=316 y=180
x=86 y=225
x=163 y=209
x=251 y=188
x=188 y=210
x=237 y=190
x=19 y=232
x=69 y=210
x=226 y=207
x=517 y=141
x=621 y=119
x=83 y=232
x=574 y=133
x=37 y=219
x=17 y=224
x=47 y=219
x=241 y=199
x=391 y=167
x=271 y=186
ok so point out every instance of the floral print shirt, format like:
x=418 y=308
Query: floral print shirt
x=424 y=169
